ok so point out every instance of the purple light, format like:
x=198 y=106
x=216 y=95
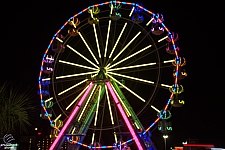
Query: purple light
x=124 y=116
x=71 y=117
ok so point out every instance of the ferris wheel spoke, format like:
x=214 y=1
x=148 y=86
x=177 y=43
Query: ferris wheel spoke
x=81 y=56
x=137 y=43
x=131 y=12
x=126 y=58
x=96 y=115
x=126 y=46
x=143 y=65
x=89 y=98
x=77 y=97
x=75 y=75
x=77 y=65
x=118 y=39
x=144 y=69
x=131 y=67
x=132 y=78
x=157 y=110
x=141 y=57
x=139 y=97
x=124 y=106
x=65 y=97
x=107 y=39
x=88 y=47
x=70 y=88
x=97 y=42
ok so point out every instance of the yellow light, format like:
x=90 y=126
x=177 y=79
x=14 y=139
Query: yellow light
x=127 y=45
x=96 y=115
x=72 y=87
x=88 y=48
x=135 y=66
x=118 y=40
x=155 y=109
x=96 y=38
x=150 y=21
x=75 y=75
x=57 y=117
x=127 y=88
x=133 y=78
x=163 y=39
x=81 y=56
x=61 y=41
x=93 y=137
x=86 y=103
x=121 y=101
x=107 y=39
x=130 y=56
x=77 y=97
x=110 y=109
x=115 y=137
x=131 y=12
x=73 y=64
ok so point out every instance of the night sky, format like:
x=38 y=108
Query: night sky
x=27 y=28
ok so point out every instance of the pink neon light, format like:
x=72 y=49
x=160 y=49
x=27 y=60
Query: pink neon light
x=124 y=116
x=71 y=117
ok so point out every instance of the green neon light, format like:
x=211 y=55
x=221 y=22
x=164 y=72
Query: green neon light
x=127 y=105
x=91 y=113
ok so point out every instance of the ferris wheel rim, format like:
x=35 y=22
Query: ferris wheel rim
x=63 y=26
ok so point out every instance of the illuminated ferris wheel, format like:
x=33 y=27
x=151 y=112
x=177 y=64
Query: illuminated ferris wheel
x=102 y=70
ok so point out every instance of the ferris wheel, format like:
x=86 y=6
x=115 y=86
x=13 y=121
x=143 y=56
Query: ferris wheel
x=102 y=71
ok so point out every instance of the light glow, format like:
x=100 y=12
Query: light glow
x=96 y=38
x=133 y=78
x=163 y=39
x=72 y=87
x=150 y=21
x=86 y=103
x=121 y=101
x=131 y=12
x=126 y=46
x=127 y=88
x=51 y=98
x=88 y=48
x=130 y=56
x=61 y=41
x=75 y=75
x=93 y=138
x=121 y=33
x=57 y=117
x=96 y=115
x=131 y=67
x=82 y=56
x=107 y=39
x=73 y=64
x=155 y=109
x=77 y=97
x=168 y=61
x=110 y=109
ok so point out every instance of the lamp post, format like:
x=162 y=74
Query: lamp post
x=165 y=137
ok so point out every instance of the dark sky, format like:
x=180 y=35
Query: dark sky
x=27 y=27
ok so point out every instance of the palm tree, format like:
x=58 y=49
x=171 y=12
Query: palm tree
x=16 y=109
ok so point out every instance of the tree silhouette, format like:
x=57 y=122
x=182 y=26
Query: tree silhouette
x=17 y=107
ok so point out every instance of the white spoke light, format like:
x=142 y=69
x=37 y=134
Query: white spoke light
x=126 y=46
x=77 y=65
x=82 y=56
